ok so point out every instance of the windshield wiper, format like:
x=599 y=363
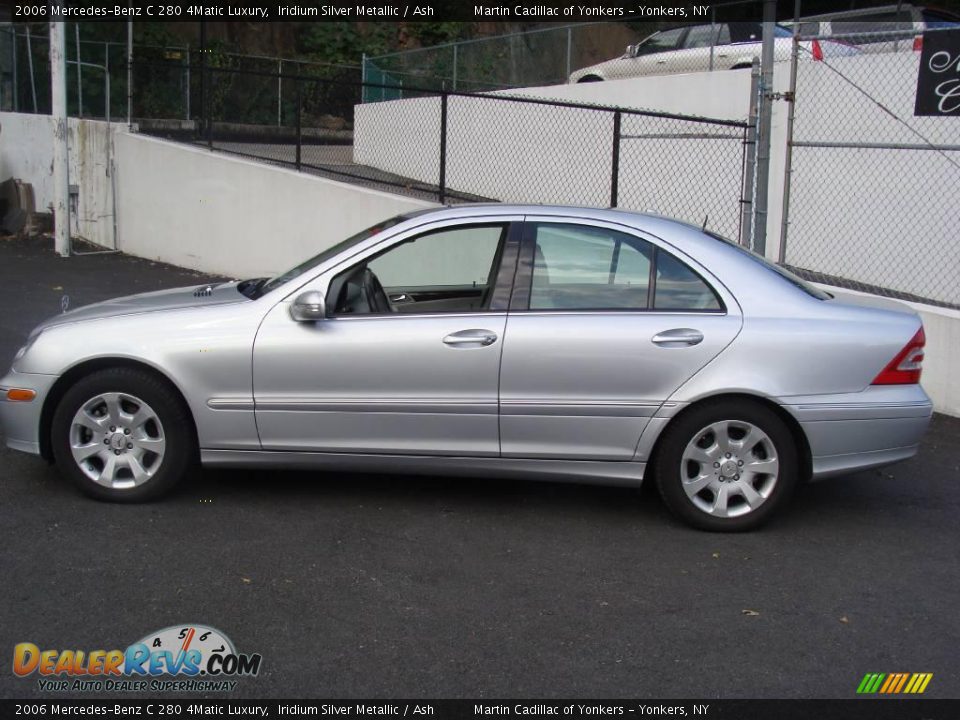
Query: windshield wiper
x=251 y=288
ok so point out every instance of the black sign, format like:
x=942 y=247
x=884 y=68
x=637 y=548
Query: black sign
x=938 y=84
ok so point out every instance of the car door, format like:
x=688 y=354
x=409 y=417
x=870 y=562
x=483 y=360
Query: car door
x=604 y=325
x=406 y=360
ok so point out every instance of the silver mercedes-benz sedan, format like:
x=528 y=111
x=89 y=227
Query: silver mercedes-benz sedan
x=541 y=342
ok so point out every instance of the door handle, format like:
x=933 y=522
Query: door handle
x=678 y=337
x=400 y=298
x=481 y=338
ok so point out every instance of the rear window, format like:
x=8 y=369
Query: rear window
x=774 y=268
x=936 y=19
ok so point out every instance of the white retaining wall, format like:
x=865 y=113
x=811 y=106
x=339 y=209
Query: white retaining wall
x=231 y=216
x=26 y=152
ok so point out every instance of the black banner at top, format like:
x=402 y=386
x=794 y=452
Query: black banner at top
x=938 y=82
x=359 y=10
x=420 y=709
x=531 y=11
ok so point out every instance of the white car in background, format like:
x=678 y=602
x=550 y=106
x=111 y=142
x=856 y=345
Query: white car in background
x=699 y=48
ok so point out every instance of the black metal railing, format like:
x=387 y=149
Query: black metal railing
x=461 y=147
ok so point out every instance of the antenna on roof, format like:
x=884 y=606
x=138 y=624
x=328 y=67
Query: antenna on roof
x=705 y=218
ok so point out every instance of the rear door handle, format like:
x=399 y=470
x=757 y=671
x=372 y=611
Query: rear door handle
x=471 y=338
x=678 y=337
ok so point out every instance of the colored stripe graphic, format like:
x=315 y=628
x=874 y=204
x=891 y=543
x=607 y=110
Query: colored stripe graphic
x=894 y=683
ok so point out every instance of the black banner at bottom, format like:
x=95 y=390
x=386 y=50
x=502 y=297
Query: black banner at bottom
x=865 y=709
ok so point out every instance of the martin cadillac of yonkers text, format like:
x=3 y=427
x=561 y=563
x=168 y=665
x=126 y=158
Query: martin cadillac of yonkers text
x=588 y=709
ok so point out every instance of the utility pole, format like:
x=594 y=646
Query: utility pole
x=130 y=72
x=61 y=178
x=763 y=139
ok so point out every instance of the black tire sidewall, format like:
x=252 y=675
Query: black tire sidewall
x=180 y=451
x=682 y=430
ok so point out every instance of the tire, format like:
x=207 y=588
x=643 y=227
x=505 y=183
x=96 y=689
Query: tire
x=727 y=466
x=123 y=435
x=589 y=79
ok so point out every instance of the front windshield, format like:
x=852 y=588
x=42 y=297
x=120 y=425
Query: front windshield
x=303 y=267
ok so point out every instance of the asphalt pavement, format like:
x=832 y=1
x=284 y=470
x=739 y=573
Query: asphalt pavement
x=382 y=586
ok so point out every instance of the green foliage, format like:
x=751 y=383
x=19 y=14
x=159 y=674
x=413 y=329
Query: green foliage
x=346 y=42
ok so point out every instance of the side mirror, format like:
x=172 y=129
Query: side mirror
x=631 y=51
x=309 y=307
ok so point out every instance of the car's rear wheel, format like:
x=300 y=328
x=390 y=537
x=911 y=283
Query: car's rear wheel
x=727 y=465
x=123 y=435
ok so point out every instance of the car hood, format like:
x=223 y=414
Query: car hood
x=174 y=299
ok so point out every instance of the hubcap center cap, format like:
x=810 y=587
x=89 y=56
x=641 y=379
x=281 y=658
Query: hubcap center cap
x=118 y=441
x=729 y=468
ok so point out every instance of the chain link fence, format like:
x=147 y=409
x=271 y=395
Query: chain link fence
x=870 y=201
x=463 y=147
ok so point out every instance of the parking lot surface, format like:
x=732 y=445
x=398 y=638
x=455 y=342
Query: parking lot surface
x=382 y=586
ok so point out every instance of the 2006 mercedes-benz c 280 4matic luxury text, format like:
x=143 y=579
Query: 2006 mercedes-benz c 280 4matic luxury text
x=546 y=342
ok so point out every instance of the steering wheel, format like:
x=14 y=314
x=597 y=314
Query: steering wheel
x=376 y=295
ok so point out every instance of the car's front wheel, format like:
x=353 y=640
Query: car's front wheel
x=727 y=465
x=123 y=435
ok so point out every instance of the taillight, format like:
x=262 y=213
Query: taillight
x=906 y=367
x=817 y=50
x=918 y=43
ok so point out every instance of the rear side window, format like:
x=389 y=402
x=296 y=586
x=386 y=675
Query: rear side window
x=579 y=267
x=680 y=288
x=743 y=32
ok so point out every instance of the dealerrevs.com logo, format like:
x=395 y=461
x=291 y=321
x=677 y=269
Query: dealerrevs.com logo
x=180 y=658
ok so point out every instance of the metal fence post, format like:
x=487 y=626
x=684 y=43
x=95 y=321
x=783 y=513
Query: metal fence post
x=442 y=185
x=788 y=160
x=455 y=66
x=16 y=86
x=280 y=92
x=763 y=135
x=208 y=119
x=569 y=50
x=76 y=35
x=615 y=161
x=750 y=159
x=299 y=123
x=33 y=80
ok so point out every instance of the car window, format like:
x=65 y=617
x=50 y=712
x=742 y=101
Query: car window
x=873 y=23
x=701 y=36
x=935 y=19
x=330 y=252
x=680 y=288
x=743 y=32
x=661 y=42
x=810 y=28
x=724 y=37
x=577 y=267
x=451 y=270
